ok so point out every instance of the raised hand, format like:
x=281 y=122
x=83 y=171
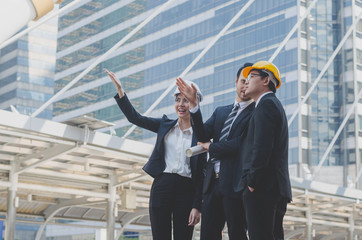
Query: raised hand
x=116 y=82
x=189 y=92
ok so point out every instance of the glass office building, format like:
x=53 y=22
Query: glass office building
x=27 y=70
x=149 y=62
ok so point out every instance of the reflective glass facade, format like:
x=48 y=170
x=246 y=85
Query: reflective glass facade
x=148 y=62
x=27 y=69
x=329 y=103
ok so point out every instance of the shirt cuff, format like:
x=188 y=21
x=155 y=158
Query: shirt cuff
x=117 y=96
x=194 y=110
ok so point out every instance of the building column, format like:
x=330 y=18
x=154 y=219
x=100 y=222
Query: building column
x=308 y=232
x=356 y=87
x=11 y=208
x=110 y=220
x=111 y=210
x=351 y=224
x=101 y=234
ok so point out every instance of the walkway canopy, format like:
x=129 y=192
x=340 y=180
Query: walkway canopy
x=58 y=170
x=52 y=170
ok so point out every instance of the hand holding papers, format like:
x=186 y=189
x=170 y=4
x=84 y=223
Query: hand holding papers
x=195 y=150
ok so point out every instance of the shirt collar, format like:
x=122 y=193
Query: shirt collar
x=257 y=102
x=177 y=125
x=243 y=105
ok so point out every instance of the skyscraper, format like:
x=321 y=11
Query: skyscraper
x=326 y=109
x=148 y=62
x=27 y=69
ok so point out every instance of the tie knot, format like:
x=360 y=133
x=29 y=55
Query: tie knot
x=236 y=107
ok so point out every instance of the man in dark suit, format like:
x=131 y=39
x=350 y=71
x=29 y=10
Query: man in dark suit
x=220 y=202
x=262 y=170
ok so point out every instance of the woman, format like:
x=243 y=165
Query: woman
x=176 y=192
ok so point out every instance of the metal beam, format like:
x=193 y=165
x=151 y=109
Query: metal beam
x=325 y=68
x=11 y=216
x=50 y=212
x=193 y=63
x=330 y=146
x=11 y=206
x=25 y=126
x=294 y=233
x=131 y=151
x=92 y=159
x=335 y=236
x=18 y=150
x=84 y=178
x=103 y=57
x=129 y=218
x=351 y=222
x=309 y=217
x=55 y=149
x=327 y=189
x=75 y=167
x=358 y=176
x=131 y=180
x=46 y=156
x=32 y=136
x=53 y=189
x=334 y=207
x=27 y=142
x=291 y=32
x=111 y=208
x=129 y=172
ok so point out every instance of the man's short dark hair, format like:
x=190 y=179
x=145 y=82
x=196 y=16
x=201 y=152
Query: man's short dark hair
x=272 y=87
x=264 y=75
x=241 y=69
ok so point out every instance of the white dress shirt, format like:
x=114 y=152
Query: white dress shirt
x=242 y=106
x=176 y=142
x=257 y=102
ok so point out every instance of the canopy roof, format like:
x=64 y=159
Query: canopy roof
x=61 y=171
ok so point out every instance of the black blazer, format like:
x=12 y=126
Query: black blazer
x=211 y=129
x=262 y=150
x=156 y=163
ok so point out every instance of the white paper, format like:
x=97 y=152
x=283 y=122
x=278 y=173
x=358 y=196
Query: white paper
x=195 y=150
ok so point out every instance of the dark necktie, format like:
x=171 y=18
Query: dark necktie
x=227 y=125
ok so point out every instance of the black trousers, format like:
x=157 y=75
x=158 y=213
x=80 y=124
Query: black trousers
x=170 y=205
x=218 y=208
x=264 y=214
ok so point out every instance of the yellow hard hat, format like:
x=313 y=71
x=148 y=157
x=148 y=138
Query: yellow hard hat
x=264 y=65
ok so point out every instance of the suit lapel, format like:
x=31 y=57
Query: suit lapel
x=166 y=126
x=242 y=118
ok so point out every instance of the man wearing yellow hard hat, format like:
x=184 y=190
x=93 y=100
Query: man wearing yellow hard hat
x=261 y=171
